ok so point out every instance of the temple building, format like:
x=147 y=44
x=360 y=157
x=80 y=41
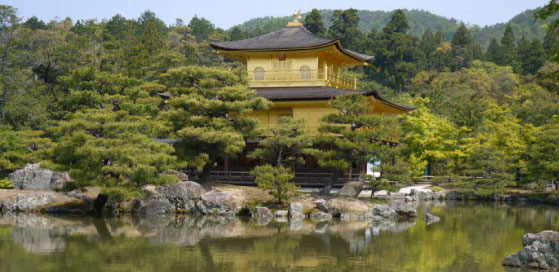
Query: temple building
x=299 y=73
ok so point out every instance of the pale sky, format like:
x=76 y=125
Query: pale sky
x=225 y=14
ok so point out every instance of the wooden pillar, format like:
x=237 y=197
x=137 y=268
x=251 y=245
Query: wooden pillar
x=226 y=164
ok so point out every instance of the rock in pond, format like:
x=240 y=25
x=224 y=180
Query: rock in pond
x=430 y=219
x=320 y=216
x=29 y=202
x=262 y=212
x=322 y=205
x=182 y=195
x=541 y=251
x=403 y=209
x=380 y=212
x=216 y=203
x=296 y=210
x=33 y=177
x=352 y=189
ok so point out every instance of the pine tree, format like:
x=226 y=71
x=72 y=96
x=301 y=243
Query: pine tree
x=351 y=136
x=314 y=24
x=508 y=50
x=477 y=52
x=398 y=23
x=543 y=153
x=551 y=43
x=275 y=179
x=236 y=34
x=285 y=144
x=345 y=28
x=531 y=55
x=428 y=45
x=461 y=48
x=152 y=40
x=493 y=53
x=134 y=53
x=207 y=114
x=111 y=148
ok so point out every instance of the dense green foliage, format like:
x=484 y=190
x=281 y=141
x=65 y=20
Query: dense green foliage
x=276 y=180
x=86 y=96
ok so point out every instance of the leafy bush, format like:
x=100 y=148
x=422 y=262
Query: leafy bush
x=436 y=189
x=378 y=184
x=277 y=180
x=6 y=184
x=120 y=194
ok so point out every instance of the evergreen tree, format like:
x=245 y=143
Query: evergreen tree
x=531 y=56
x=111 y=148
x=34 y=23
x=117 y=27
x=397 y=24
x=275 y=179
x=314 y=24
x=477 y=52
x=461 y=48
x=351 y=136
x=152 y=40
x=428 y=45
x=201 y=28
x=134 y=52
x=149 y=17
x=345 y=28
x=508 y=49
x=398 y=56
x=551 y=42
x=493 y=53
x=207 y=114
x=285 y=144
x=236 y=34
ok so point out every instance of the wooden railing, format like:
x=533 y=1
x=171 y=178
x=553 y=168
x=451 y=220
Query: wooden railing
x=314 y=180
x=331 y=78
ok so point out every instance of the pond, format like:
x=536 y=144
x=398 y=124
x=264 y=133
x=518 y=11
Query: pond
x=469 y=237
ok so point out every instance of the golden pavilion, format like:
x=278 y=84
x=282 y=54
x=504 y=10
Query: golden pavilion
x=299 y=73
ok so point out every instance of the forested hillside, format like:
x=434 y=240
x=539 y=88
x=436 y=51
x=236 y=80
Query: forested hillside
x=89 y=97
x=523 y=24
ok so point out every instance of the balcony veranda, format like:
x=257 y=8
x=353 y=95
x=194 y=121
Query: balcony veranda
x=294 y=78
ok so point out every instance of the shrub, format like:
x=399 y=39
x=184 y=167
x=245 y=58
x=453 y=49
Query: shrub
x=436 y=189
x=119 y=194
x=277 y=180
x=6 y=184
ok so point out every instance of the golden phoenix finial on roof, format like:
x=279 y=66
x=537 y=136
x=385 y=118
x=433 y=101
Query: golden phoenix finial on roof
x=297 y=15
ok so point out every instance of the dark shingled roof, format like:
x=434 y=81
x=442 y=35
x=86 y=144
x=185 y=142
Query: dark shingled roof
x=316 y=93
x=287 y=38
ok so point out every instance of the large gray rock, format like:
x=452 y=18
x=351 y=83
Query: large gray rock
x=262 y=212
x=541 y=251
x=380 y=212
x=322 y=205
x=403 y=209
x=182 y=195
x=320 y=216
x=296 y=210
x=217 y=203
x=281 y=214
x=352 y=189
x=180 y=175
x=29 y=202
x=430 y=219
x=33 y=177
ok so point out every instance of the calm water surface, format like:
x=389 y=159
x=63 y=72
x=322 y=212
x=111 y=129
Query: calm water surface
x=470 y=237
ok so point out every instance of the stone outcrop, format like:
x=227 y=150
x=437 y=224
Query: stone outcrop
x=262 y=212
x=430 y=219
x=380 y=212
x=320 y=216
x=182 y=195
x=403 y=209
x=33 y=177
x=352 y=189
x=296 y=210
x=322 y=205
x=216 y=203
x=29 y=202
x=541 y=251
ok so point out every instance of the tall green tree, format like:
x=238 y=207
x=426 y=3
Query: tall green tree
x=349 y=137
x=531 y=56
x=152 y=40
x=149 y=16
x=543 y=153
x=208 y=114
x=201 y=28
x=508 y=50
x=493 y=53
x=314 y=24
x=8 y=24
x=461 y=48
x=285 y=144
x=345 y=28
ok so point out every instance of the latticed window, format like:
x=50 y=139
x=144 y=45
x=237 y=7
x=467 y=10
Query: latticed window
x=305 y=72
x=259 y=73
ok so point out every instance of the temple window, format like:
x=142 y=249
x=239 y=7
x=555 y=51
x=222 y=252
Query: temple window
x=259 y=73
x=305 y=72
